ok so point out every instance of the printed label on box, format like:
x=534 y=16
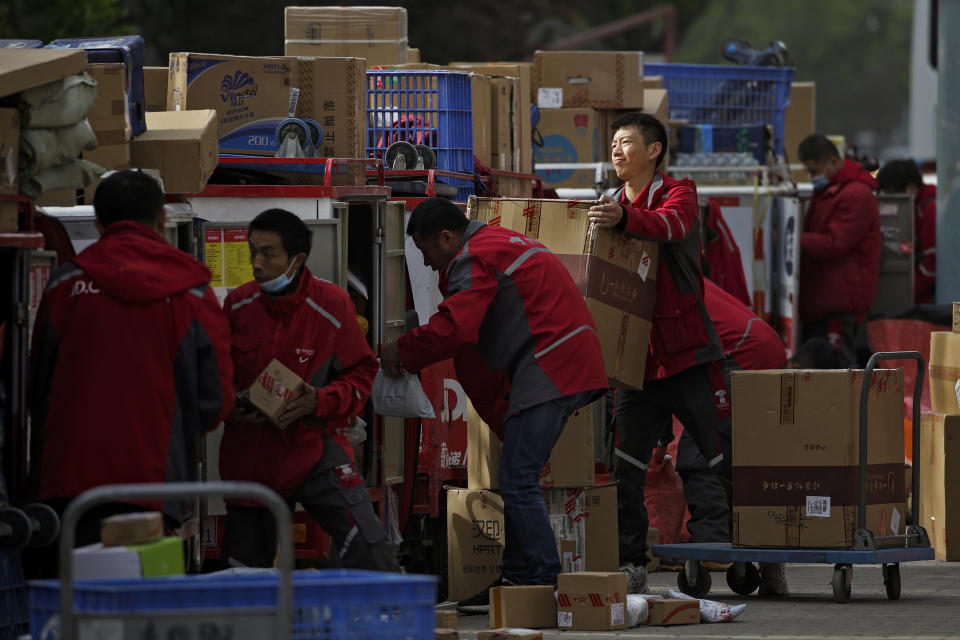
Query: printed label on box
x=956 y=390
x=565 y=618
x=644 y=267
x=895 y=522
x=549 y=98
x=616 y=614
x=818 y=506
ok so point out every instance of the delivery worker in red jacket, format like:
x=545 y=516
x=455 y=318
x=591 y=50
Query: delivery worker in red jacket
x=903 y=176
x=311 y=327
x=684 y=376
x=130 y=360
x=526 y=351
x=839 y=248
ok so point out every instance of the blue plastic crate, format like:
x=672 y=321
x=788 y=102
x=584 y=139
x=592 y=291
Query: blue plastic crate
x=327 y=605
x=20 y=44
x=726 y=95
x=14 y=613
x=433 y=108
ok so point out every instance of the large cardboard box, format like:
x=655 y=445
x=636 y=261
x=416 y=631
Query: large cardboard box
x=253 y=95
x=531 y=606
x=110 y=114
x=795 y=457
x=275 y=388
x=616 y=273
x=182 y=145
x=570 y=136
x=501 y=96
x=671 y=611
x=592 y=601
x=945 y=372
x=112 y=157
x=22 y=69
x=800 y=117
x=571 y=462
x=377 y=34
x=9 y=150
x=584 y=525
x=474 y=541
x=155 y=88
x=481 y=94
x=598 y=79
x=939 y=475
x=128 y=529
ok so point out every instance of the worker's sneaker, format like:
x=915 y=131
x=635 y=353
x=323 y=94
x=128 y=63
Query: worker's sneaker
x=478 y=603
x=636 y=578
x=773 y=580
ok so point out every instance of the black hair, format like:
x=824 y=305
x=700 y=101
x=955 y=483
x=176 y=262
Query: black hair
x=294 y=234
x=649 y=127
x=434 y=215
x=818 y=353
x=817 y=147
x=896 y=175
x=128 y=195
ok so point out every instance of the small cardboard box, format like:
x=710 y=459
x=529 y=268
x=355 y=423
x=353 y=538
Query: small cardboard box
x=474 y=541
x=570 y=136
x=592 y=601
x=9 y=150
x=440 y=633
x=447 y=618
x=945 y=372
x=530 y=606
x=670 y=611
x=275 y=388
x=956 y=317
x=129 y=529
x=509 y=634
x=181 y=145
x=161 y=558
x=110 y=114
x=155 y=88
x=584 y=525
x=598 y=79
x=939 y=475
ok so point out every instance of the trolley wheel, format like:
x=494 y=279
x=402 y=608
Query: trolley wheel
x=16 y=533
x=702 y=585
x=427 y=156
x=401 y=156
x=842 y=581
x=47 y=524
x=891 y=580
x=745 y=584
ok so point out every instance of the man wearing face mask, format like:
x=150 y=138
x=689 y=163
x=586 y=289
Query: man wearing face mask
x=839 y=248
x=310 y=326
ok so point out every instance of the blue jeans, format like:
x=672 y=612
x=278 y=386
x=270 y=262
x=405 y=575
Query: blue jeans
x=530 y=551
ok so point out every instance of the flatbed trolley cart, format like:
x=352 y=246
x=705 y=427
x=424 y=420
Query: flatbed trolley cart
x=743 y=577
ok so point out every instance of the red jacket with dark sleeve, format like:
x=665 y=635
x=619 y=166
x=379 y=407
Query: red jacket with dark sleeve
x=747 y=340
x=723 y=255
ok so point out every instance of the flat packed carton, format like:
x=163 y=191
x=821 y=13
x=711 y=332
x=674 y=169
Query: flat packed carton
x=275 y=388
x=9 y=150
x=945 y=372
x=377 y=34
x=155 y=88
x=571 y=462
x=616 y=273
x=939 y=476
x=598 y=79
x=129 y=529
x=531 y=606
x=475 y=541
x=22 y=69
x=671 y=611
x=181 y=145
x=796 y=460
x=592 y=601
x=509 y=634
x=161 y=558
x=584 y=525
x=570 y=136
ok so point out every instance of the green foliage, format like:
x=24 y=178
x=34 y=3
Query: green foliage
x=53 y=19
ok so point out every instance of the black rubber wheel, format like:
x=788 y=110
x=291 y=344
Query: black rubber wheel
x=19 y=532
x=841 y=583
x=891 y=580
x=746 y=584
x=48 y=524
x=701 y=588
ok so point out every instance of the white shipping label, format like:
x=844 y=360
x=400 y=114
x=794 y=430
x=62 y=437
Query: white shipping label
x=818 y=506
x=895 y=522
x=617 y=612
x=565 y=618
x=294 y=98
x=644 y=267
x=957 y=390
x=548 y=98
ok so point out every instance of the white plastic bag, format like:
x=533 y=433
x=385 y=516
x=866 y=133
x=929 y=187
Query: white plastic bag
x=711 y=611
x=400 y=397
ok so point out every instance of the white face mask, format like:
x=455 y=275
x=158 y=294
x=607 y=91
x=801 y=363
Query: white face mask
x=279 y=283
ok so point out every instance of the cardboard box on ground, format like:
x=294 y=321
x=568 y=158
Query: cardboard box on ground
x=945 y=372
x=597 y=79
x=377 y=34
x=795 y=457
x=616 y=273
x=530 y=606
x=592 y=601
x=181 y=145
x=939 y=475
x=672 y=611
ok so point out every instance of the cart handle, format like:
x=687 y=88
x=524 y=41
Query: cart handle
x=864 y=394
x=115 y=492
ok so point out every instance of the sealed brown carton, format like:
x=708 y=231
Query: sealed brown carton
x=531 y=606
x=275 y=388
x=616 y=273
x=474 y=541
x=181 y=145
x=598 y=79
x=509 y=634
x=652 y=82
x=570 y=136
x=413 y=54
x=441 y=633
x=592 y=601
x=501 y=95
x=155 y=88
x=670 y=611
x=584 y=525
x=945 y=372
x=796 y=460
x=800 y=116
x=447 y=618
x=939 y=475
x=571 y=462
x=112 y=157
x=9 y=150
x=377 y=34
x=129 y=529
x=110 y=114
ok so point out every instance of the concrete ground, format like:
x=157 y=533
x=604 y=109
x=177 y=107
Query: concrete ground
x=929 y=607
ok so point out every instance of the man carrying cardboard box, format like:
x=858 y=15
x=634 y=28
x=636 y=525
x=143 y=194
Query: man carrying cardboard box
x=310 y=327
x=130 y=364
x=684 y=376
x=527 y=353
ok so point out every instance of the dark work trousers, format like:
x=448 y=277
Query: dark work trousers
x=840 y=331
x=704 y=494
x=335 y=496
x=700 y=398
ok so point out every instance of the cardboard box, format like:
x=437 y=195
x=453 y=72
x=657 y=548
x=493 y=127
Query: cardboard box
x=800 y=117
x=584 y=525
x=671 y=611
x=110 y=114
x=112 y=157
x=181 y=145
x=592 y=601
x=939 y=475
x=447 y=618
x=481 y=95
x=569 y=136
x=474 y=541
x=260 y=93
x=571 y=462
x=652 y=82
x=598 y=79
x=377 y=34
x=531 y=606
x=22 y=69
x=161 y=558
x=509 y=634
x=615 y=272
x=155 y=88
x=441 y=633
x=501 y=112
x=956 y=317
x=275 y=388
x=129 y=529
x=413 y=54
x=795 y=457
x=945 y=372
x=9 y=216
x=9 y=150
x=653 y=537
x=373 y=54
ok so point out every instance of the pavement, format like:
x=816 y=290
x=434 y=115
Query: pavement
x=928 y=608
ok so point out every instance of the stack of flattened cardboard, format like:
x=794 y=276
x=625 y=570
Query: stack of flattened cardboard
x=377 y=34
